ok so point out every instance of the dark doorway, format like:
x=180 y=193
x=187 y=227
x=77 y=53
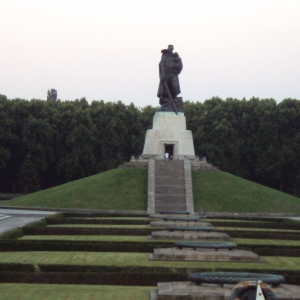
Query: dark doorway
x=169 y=149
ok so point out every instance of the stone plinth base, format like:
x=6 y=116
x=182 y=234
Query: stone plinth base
x=169 y=129
x=187 y=290
x=204 y=255
x=189 y=235
x=178 y=223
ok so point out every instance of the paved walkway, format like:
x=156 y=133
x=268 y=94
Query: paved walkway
x=12 y=218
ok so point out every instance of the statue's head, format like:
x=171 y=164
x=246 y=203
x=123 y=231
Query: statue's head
x=175 y=54
x=170 y=48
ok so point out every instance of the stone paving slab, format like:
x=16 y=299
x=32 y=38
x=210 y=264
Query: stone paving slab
x=190 y=291
x=189 y=235
x=25 y=212
x=79 y=210
x=16 y=222
x=3 y=217
x=13 y=218
x=206 y=255
x=178 y=223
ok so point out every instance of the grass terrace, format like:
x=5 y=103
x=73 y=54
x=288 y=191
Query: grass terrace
x=105 y=255
x=11 y=291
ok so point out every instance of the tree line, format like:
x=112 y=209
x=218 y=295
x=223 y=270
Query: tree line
x=47 y=143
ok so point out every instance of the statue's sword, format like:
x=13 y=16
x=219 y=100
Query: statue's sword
x=170 y=96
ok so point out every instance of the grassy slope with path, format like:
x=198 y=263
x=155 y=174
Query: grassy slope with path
x=124 y=189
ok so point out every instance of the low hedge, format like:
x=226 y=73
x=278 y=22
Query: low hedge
x=112 y=276
x=97 y=221
x=36 y=224
x=12 y=234
x=109 y=269
x=87 y=231
x=268 y=235
x=104 y=215
x=29 y=230
x=271 y=225
x=59 y=215
x=146 y=247
x=23 y=245
x=255 y=219
x=16 y=267
x=128 y=279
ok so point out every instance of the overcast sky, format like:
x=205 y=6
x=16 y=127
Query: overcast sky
x=110 y=49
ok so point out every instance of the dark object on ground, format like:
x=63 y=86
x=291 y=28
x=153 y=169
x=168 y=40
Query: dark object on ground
x=205 y=245
x=246 y=290
x=170 y=212
x=234 y=277
x=190 y=228
x=181 y=219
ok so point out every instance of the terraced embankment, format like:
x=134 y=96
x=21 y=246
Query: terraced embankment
x=105 y=250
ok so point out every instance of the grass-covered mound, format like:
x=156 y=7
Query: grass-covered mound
x=118 y=189
x=223 y=192
x=125 y=189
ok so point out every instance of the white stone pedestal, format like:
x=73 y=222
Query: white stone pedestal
x=169 y=129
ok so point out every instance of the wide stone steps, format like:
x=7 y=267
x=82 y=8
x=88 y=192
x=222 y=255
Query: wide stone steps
x=169 y=186
x=169 y=180
x=170 y=198
x=164 y=207
x=170 y=189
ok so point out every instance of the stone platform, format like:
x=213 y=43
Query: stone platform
x=169 y=129
x=189 y=235
x=191 y=291
x=178 y=223
x=207 y=255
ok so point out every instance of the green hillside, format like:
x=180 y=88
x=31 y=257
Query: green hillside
x=120 y=189
x=223 y=192
x=124 y=189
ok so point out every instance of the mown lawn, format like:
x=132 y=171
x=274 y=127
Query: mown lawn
x=118 y=189
x=93 y=238
x=216 y=228
x=144 y=239
x=122 y=259
x=217 y=191
x=13 y=291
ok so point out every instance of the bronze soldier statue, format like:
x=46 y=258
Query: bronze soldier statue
x=170 y=67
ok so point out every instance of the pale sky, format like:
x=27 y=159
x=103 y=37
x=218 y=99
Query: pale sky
x=110 y=49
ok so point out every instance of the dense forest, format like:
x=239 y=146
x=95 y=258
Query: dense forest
x=47 y=143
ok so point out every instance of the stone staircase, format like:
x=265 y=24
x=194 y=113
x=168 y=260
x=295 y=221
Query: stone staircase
x=170 y=193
